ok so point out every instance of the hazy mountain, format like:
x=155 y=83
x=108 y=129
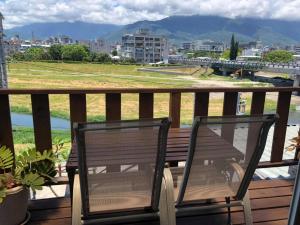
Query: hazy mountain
x=77 y=30
x=187 y=28
x=176 y=28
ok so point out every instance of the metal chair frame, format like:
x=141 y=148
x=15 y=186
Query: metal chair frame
x=158 y=207
x=242 y=196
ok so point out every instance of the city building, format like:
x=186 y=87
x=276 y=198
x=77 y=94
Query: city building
x=188 y=46
x=144 y=47
x=252 y=52
x=11 y=47
x=296 y=49
x=99 y=45
x=209 y=46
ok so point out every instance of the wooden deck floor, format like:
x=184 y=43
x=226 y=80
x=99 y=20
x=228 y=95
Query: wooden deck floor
x=270 y=201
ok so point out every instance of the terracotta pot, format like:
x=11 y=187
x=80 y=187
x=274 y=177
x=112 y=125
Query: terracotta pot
x=13 y=210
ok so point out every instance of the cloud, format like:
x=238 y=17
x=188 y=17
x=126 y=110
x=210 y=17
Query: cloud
x=23 y=12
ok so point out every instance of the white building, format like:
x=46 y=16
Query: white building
x=209 y=46
x=252 y=52
x=99 y=45
x=144 y=47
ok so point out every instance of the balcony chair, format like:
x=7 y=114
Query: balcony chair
x=121 y=167
x=205 y=182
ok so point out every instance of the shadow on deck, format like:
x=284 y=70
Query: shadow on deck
x=270 y=201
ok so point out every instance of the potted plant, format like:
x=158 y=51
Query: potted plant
x=31 y=169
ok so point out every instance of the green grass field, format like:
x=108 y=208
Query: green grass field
x=83 y=75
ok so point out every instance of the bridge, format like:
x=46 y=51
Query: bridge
x=227 y=66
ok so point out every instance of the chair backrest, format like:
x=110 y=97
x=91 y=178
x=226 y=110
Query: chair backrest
x=223 y=155
x=121 y=165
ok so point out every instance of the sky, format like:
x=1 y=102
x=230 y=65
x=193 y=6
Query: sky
x=121 y=12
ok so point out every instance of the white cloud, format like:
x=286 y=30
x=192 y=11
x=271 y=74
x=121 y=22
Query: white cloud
x=18 y=12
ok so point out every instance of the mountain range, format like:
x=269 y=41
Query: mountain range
x=177 y=29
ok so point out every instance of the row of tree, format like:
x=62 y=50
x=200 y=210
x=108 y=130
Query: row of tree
x=62 y=52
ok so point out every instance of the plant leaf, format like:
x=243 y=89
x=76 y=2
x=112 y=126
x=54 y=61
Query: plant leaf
x=6 y=158
x=33 y=180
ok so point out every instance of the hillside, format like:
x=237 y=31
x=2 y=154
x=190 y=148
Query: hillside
x=77 y=30
x=177 y=28
x=187 y=28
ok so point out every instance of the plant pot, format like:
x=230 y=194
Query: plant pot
x=13 y=210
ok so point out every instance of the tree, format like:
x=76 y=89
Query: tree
x=114 y=52
x=33 y=54
x=102 y=57
x=19 y=56
x=55 y=52
x=74 y=52
x=234 y=48
x=279 y=56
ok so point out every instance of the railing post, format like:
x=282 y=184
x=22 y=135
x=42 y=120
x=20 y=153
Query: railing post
x=113 y=112
x=146 y=105
x=113 y=106
x=77 y=110
x=283 y=107
x=201 y=104
x=6 y=135
x=229 y=109
x=41 y=121
x=174 y=109
x=257 y=108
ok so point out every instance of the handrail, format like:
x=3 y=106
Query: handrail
x=145 y=90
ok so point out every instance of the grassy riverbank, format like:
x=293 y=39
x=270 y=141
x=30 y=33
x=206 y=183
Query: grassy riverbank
x=84 y=75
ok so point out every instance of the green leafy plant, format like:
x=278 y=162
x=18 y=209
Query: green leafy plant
x=31 y=169
x=295 y=145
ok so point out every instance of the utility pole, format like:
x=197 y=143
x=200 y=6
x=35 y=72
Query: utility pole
x=3 y=73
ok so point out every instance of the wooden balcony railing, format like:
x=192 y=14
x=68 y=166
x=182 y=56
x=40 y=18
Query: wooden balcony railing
x=78 y=110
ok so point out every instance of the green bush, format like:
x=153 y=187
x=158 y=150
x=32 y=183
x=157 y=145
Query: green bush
x=74 y=52
x=35 y=54
x=279 y=56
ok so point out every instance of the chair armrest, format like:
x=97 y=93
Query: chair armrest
x=76 y=206
x=238 y=169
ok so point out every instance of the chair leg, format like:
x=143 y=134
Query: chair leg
x=247 y=209
x=163 y=208
x=76 y=207
x=228 y=211
x=170 y=196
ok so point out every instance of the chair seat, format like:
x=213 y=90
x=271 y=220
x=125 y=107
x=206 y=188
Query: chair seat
x=109 y=194
x=208 y=183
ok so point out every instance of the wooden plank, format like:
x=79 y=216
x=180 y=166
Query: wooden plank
x=146 y=105
x=269 y=201
x=229 y=109
x=113 y=106
x=6 y=135
x=201 y=104
x=283 y=107
x=174 y=109
x=77 y=110
x=41 y=121
x=257 y=108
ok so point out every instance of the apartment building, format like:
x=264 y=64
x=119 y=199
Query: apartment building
x=209 y=46
x=144 y=47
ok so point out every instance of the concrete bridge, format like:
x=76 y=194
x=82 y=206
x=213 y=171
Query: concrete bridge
x=226 y=67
